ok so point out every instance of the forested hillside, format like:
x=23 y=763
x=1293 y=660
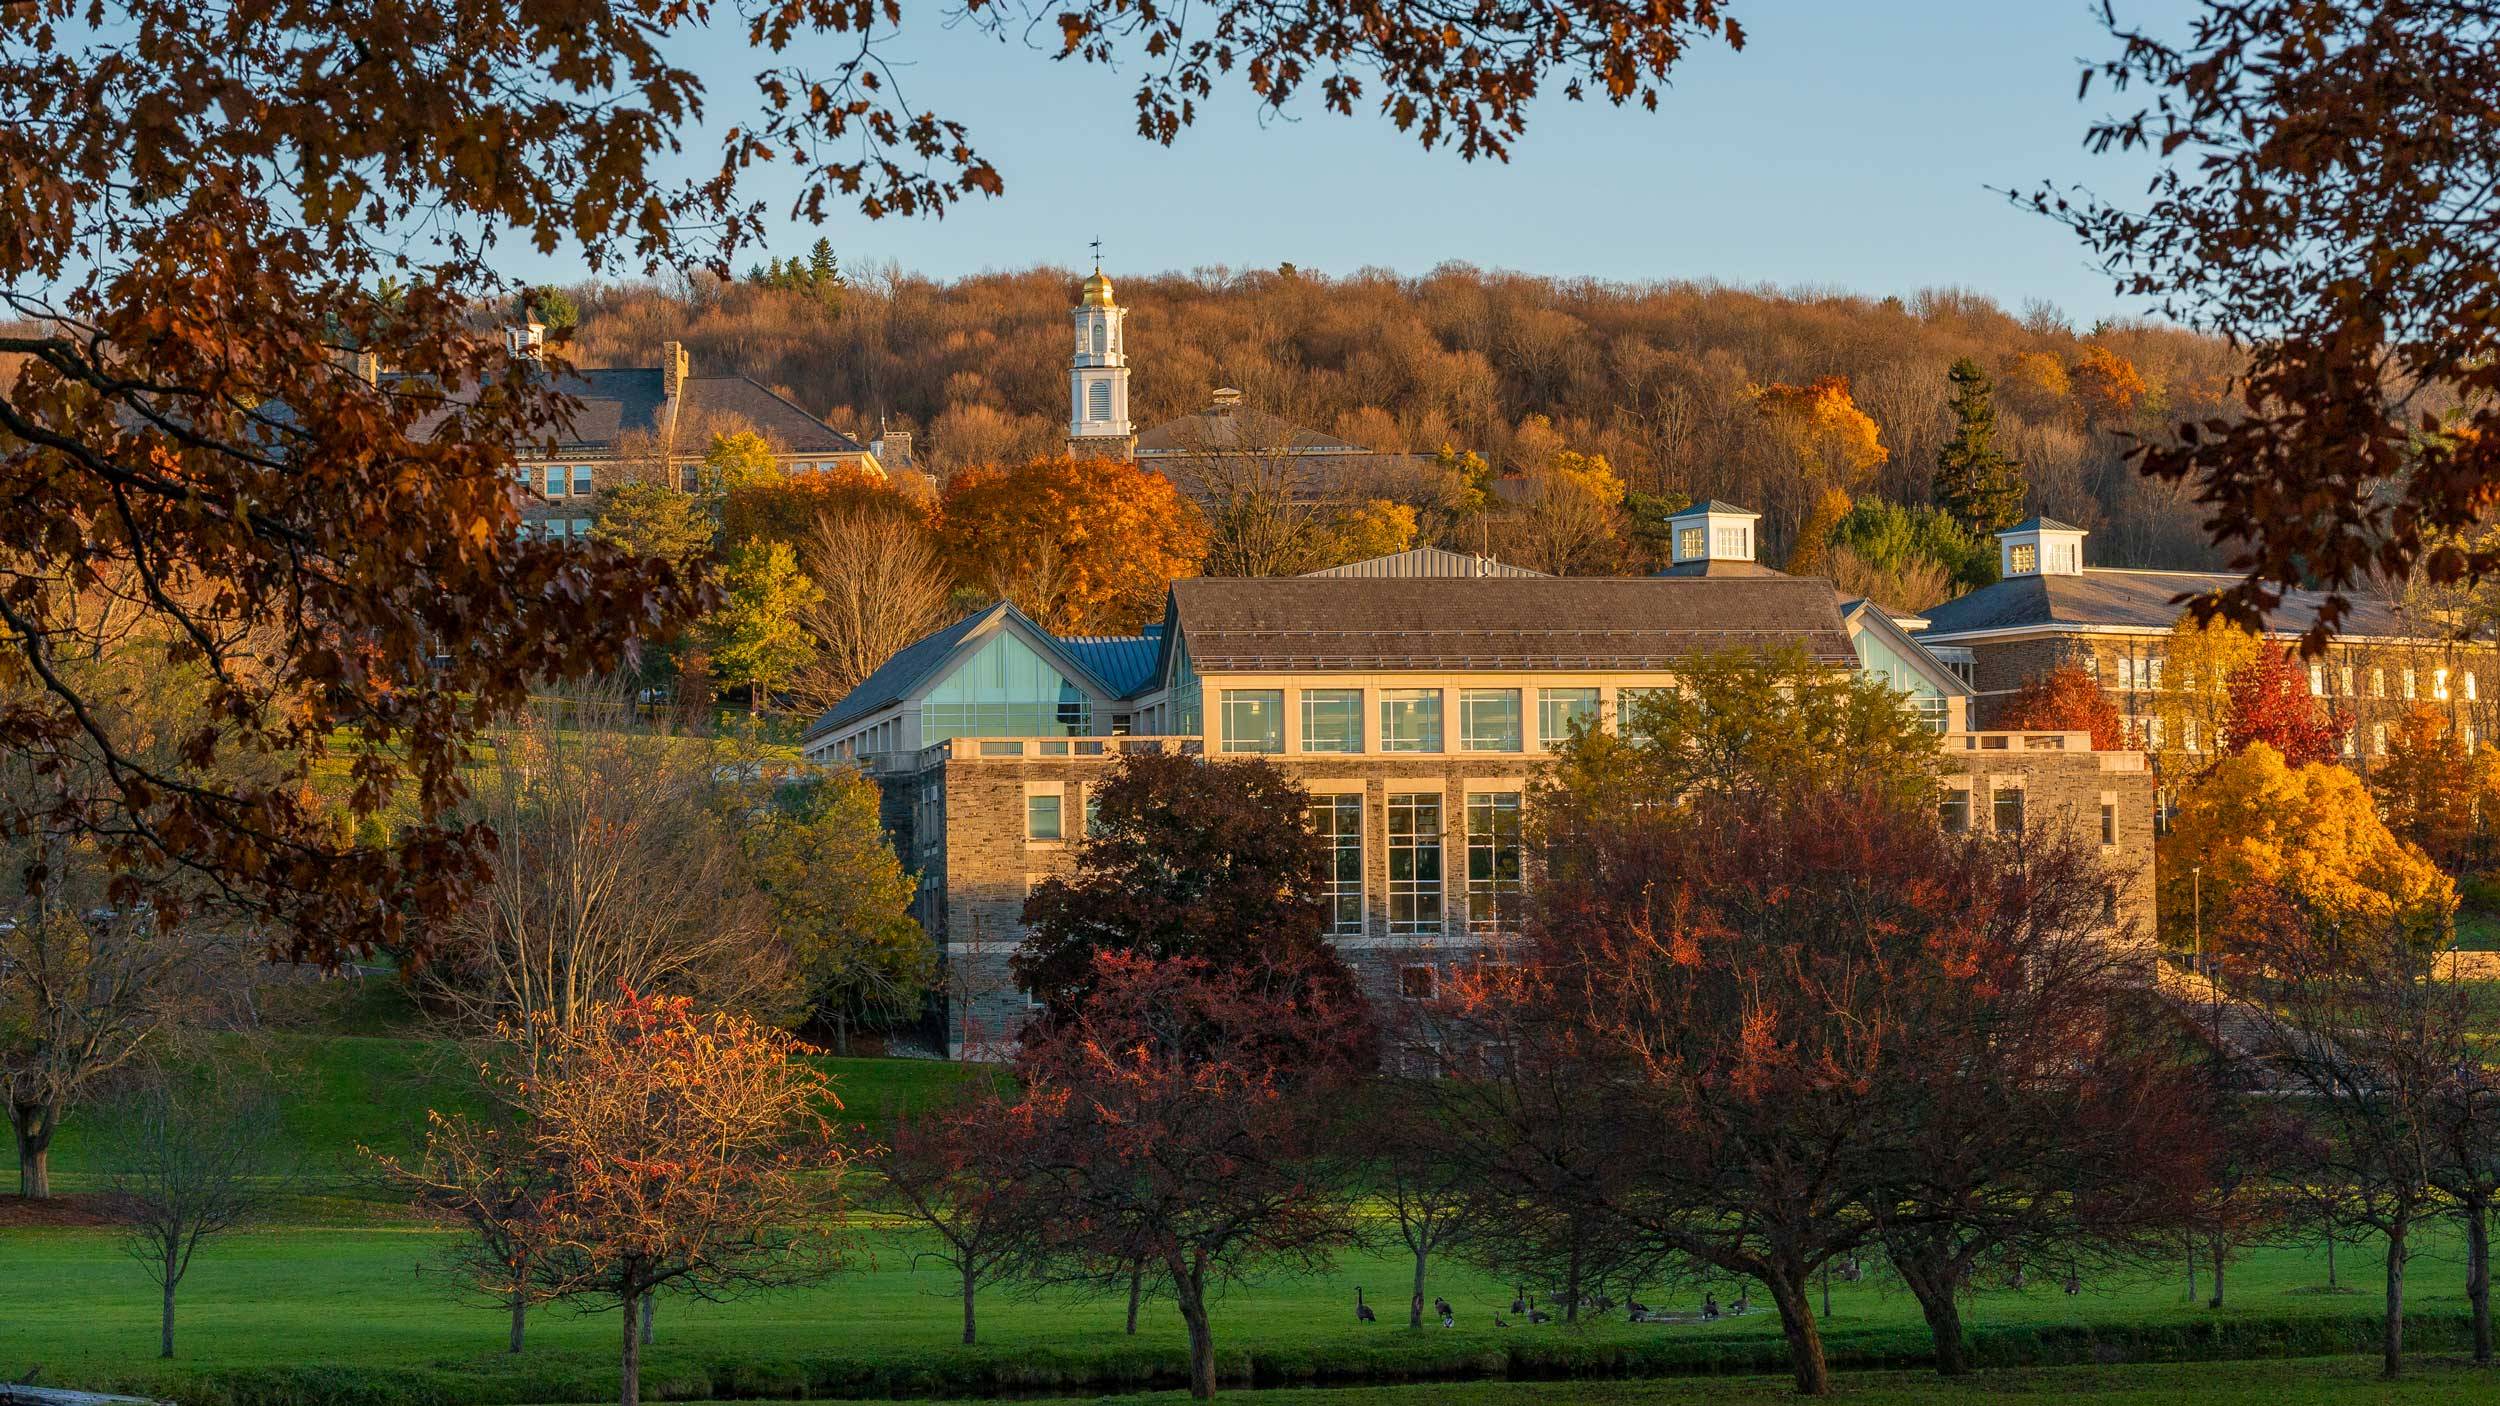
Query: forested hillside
x=1658 y=378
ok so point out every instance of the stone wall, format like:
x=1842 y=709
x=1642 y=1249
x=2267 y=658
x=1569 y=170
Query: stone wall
x=2063 y=793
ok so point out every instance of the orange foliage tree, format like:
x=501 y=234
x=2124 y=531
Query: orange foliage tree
x=2105 y=384
x=650 y=1147
x=1834 y=441
x=1081 y=545
x=2270 y=702
x=2065 y=699
x=787 y=507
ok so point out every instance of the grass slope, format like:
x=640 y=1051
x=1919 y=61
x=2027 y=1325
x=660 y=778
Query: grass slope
x=348 y=1279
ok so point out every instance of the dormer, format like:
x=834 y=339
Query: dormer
x=2040 y=546
x=1711 y=531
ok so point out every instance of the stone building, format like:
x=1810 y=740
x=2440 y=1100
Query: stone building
x=2048 y=607
x=1415 y=708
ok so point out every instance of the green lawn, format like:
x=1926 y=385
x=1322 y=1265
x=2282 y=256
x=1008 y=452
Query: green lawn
x=348 y=1279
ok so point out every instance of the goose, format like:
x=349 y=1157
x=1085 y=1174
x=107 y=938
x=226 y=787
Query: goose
x=1441 y=1305
x=1605 y=1303
x=1538 y=1315
x=2074 y=1285
x=1499 y=1321
x=1363 y=1311
x=1518 y=1300
x=1636 y=1308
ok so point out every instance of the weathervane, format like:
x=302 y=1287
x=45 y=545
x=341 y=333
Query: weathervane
x=1097 y=245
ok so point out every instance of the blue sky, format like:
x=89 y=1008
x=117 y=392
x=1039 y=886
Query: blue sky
x=1850 y=145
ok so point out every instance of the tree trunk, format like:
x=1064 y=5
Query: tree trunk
x=520 y=1318
x=1415 y=1305
x=165 y=1330
x=2220 y=1248
x=2478 y=1274
x=2330 y=1259
x=1136 y=1290
x=1190 y=1291
x=1933 y=1285
x=1805 y=1337
x=1571 y=1289
x=971 y=1282
x=629 y=1384
x=2392 y=1333
x=650 y=1307
x=34 y=1151
x=2191 y=1249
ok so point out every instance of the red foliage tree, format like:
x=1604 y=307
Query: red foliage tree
x=2270 y=702
x=1178 y=1119
x=943 y=1168
x=2066 y=699
x=1824 y=1024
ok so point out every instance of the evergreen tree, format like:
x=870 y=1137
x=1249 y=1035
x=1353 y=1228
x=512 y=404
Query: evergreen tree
x=756 y=635
x=1980 y=485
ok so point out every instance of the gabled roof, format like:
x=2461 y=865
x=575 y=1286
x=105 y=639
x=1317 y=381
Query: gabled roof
x=921 y=661
x=1864 y=614
x=1720 y=566
x=1434 y=562
x=1713 y=505
x=1245 y=625
x=615 y=401
x=2038 y=523
x=1238 y=431
x=2146 y=601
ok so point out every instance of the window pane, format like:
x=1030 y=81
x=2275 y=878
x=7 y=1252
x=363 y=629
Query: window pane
x=1953 y=809
x=1332 y=720
x=1254 y=719
x=555 y=480
x=1410 y=720
x=1488 y=720
x=1558 y=708
x=1415 y=862
x=1338 y=821
x=1493 y=862
x=1041 y=817
x=581 y=480
x=2009 y=811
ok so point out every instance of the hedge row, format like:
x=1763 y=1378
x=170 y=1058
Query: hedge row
x=1024 y=1371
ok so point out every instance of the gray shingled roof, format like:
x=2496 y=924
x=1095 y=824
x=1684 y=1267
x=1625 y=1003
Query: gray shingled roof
x=618 y=400
x=2141 y=600
x=1436 y=562
x=895 y=678
x=1722 y=567
x=1254 y=625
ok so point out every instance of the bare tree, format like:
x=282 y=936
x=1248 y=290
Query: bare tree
x=190 y=1162
x=82 y=995
x=614 y=867
x=881 y=585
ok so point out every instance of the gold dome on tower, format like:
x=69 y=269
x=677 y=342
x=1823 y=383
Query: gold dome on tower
x=1098 y=291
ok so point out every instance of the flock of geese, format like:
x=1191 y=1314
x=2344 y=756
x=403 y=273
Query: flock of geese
x=1524 y=1308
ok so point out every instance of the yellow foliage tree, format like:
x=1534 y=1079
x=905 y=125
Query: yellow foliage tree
x=1835 y=443
x=741 y=460
x=2312 y=833
x=2436 y=792
x=2192 y=695
x=2106 y=384
x=1375 y=527
x=1812 y=556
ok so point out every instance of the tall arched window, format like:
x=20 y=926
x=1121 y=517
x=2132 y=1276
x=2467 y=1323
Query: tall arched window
x=1098 y=401
x=1102 y=337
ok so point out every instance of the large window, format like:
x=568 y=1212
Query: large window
x=1415 y=862
x=1953 y=810
x=2009 y=810
x=1488 y=720
x=1691 y=543
x=1254 y=719
x=2024 y=558
x=1006 y=690
x=581 y=480
x=1332 y=720
x=1410 y=720
x=1631 y=704
x=1557 y=709
x=1494 y=856
x=1041 y=818
x=555 y=480
x=1338 y=821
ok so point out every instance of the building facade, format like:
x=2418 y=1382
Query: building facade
x=1415 y=708
x=2048 y=607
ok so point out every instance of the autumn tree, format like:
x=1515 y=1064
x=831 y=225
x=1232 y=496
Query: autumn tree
x=2332 y=224
x=789 y=508
x=1743 y=720
x=1979 y=484
x=2065 y=699
x=952 y=1170
x=482 y=1178
x=1821 y=431
x=645 y=517
x=1178 y=1117
x=1568 y=517
x=2268 y=700
x=1772 y=1127
x=1812 y=554
x=1398 y=1138
x=689 y=1153
x=758 y=637
x=190 y=1162
x=2105 y=384
x=1077 y=544
x=2254 y=825
x=2435 y=793
x=1186 y=856
x=2192 y=693
x=880 y=585
x=838 y=900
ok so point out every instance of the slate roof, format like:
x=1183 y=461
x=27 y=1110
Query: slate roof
x=2149 y=601
x=1239 y=625
x=1721 y=567
x=619 y=400
x=1237 y=431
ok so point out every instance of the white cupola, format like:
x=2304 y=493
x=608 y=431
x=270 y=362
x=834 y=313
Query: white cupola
x=1711 y=531
x=2040 y=546
x=1098 y=373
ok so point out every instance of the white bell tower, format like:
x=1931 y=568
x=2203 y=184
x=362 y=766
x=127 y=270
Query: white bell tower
x=1098 y=423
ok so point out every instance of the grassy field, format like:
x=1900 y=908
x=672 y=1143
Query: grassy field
x=347 y=1278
